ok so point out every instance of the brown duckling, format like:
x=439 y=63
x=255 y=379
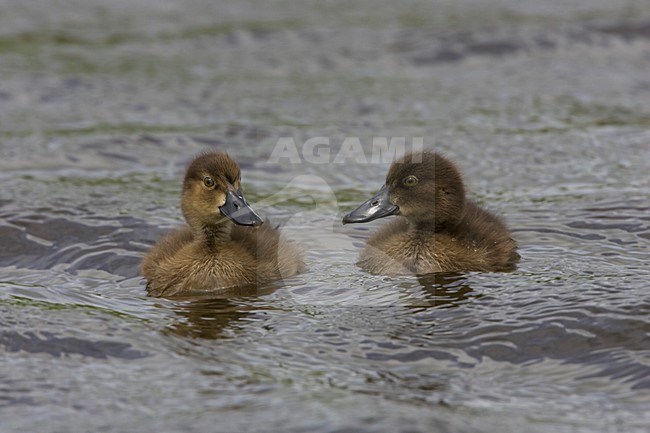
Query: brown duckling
x=438 y=231
x=224 y=244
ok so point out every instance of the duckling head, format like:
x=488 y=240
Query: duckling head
x=424 y=187
x=212 y=194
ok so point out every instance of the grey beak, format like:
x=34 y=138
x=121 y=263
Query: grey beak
x=378 y=206
x=237 y=209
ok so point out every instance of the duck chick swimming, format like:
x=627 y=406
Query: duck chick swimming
x=223 y=244
x=438 y=229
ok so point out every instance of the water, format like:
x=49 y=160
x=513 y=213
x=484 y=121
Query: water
x=546 y=107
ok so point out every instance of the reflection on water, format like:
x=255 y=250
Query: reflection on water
x=211 y=317
x=215 y=317
x=446 y=290
x=207 y=318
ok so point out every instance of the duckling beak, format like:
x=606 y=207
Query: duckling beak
x=378 y=206
x=237 y=209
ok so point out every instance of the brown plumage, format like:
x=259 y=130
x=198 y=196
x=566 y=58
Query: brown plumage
x=224 y=243
x=438 y=229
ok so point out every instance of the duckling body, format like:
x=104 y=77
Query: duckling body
x=224 y=243
x=437 y=229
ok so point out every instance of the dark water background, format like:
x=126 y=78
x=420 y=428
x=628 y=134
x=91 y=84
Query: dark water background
x=544 y=104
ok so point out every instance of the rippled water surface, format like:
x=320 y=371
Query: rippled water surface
x=544 y=105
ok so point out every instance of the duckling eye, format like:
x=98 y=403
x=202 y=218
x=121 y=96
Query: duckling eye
x=410 y=181
x=208 y=182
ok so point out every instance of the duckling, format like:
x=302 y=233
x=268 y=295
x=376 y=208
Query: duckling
x=438 y=229
x=224 y=243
